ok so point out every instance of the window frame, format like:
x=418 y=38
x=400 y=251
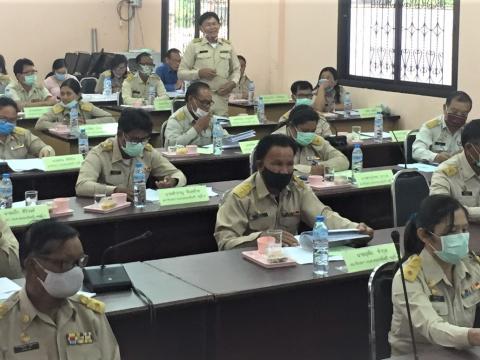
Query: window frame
x=395 y=85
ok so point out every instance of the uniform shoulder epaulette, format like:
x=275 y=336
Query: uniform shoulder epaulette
x=57 y=108
x=433 y=123
x=474 y=256
x=130 y=77
x=243 y=189
x=86 y=106
x=197 y=40
x=317 y=140
x=299 y=182
x=107 y=73
x=149 y=147
x=180 y=115
x=107 y=145
x=226 y=41
x=8 y=305
x=412 y=267
x=92 y=304
x=450 y=170
x=19 y=130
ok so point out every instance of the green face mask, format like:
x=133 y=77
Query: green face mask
x=303 y=101
x=30 y=80
x=305 y=138
x=133 y=149
x=454 y=247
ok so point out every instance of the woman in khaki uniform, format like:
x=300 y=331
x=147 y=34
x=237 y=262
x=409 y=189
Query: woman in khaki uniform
x=70 y=95
x=442 y=279
x=117 y=73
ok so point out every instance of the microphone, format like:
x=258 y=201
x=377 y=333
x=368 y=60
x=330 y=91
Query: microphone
x=402 y=149
x=396 y=240
x=104 y=278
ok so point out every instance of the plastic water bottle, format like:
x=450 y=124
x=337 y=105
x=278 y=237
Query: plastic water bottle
x=83 y=143
x=347 y=104
x=107 y=86
x=6 y=192
x=74 y=130
x=152 y=92
x=378 y=128
x=320 y=247
x=251 y=92
x=357 y=159
x=217 y=135
x=139 y=186
x=261 y=110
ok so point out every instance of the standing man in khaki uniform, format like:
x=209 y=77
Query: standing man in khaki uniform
x=314 y=153
x=109 y=167
x=17 y=142
x=144 y=85
x=9 y=261
x=272 y=199
x=439 y=138
x=26 y=91
x=459 y=176
x=45 y=319
x=212 y=60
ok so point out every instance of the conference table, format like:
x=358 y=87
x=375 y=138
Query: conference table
x=158 y=116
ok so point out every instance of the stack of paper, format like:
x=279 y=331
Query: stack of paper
x=420 y=167
x=26 y=164
x=241 y=136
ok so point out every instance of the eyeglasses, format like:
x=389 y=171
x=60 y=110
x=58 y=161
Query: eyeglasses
x=32 y=72
x=66 y=265
x=144 y=141
x=206 y=103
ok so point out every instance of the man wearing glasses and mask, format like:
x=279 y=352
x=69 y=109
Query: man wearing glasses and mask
x=192 y=124
x=109 y=167
x=46 y=319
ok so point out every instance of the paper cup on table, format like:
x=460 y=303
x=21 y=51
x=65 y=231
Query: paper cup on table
x=61 y=205
x=263 y=243
x=315 y=180
x=192 y=149
x=119 y=198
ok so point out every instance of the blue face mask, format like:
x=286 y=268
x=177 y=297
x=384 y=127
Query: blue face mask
x=60 y=77
x=133 y=149
x=70 y=105
x=305 y=138
x=303 y=101
x=6 y=127
x=454 y=247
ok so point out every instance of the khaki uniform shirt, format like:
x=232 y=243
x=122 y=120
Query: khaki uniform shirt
x=134 y=88
x=319 y=151
x=116 y=82
x=104 y=169
x=249 y=209
x=22 y=144
x=323 y=127
x=9 y=261
x=61 y=115
x=4 y=81
x=433 y=138
x=180 y=130
x=79 y=331
x=455 y=177
x=18 y=93
x=241 y=91
x=200 y=54
x=442 y=312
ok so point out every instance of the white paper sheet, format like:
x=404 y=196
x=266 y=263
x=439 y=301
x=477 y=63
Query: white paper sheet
x=7 y=288
x=369 y=135
x=302 y=256
x=152 y=195
x=26 y=164
x=420 y=167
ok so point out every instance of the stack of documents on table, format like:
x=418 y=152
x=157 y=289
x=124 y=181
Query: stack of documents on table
x=175 y=94
x=240 y=137
x=370 y=135
x=353 y=113
x=420 y=167
x=26 y=164
x=100 y=97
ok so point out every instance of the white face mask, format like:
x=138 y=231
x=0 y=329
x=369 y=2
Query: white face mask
x=200 y=112
x=62 y=285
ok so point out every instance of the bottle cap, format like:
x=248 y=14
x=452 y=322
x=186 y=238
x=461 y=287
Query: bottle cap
x=6 y=175
x=356 y=146
x=320 y=218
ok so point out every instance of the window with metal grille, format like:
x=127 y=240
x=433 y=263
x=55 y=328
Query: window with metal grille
x=179 y=21
x=399 y=45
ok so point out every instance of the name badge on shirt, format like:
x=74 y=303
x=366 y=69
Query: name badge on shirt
x=293 y=213
x=258 y=216
x=440 y=143
x=26 y=347
x=466 y=193
x=135 y=92
x=18 y=146
x=203 y=51
x=437 y=298
x=115 y=172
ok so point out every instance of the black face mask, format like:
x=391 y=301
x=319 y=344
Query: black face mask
x=274 y=180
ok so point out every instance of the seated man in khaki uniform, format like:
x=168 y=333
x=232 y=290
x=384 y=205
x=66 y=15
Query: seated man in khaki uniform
x=144 y=85
x=314 y=152
x=109 y=167
x=9 y=262
x=26 y=91
x=302 y=94
x=17 y=142
x=459 y=176
x=192 y=124
x=46 y=319
x=439 y=138
x=272 y=198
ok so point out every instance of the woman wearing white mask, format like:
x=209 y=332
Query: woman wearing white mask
x=58 y=75
x=71 y=96
x=442 y=279
x=43 y=319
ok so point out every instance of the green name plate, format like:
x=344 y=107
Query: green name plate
x=243 y=120
x=399 y=135
x=162 y=104
x=369 y=112
x=248 y=146
x=96 y=130
x=369 y=257
x=276 y=99
x=64 y=162
x=183 y=195
x=373 y=178
x=36 y=111
x=24 y=216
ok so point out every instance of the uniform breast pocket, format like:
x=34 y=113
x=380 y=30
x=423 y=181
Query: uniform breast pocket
x=204 y=59
x=84 y=352
x=225 y=56
x=469 y=302
x=290 y=222
x=115 y=177
x=440 y=307
x=32 y=351
x=260 y=222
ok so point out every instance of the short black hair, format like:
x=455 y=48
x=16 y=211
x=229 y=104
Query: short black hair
x=3 y=68
x=171 y=51
x=195 y=88
x=300 y=85
x=207 y=15
x=58 y=64
x=20 y=63
x=471 y=133
x=118 y=59
x=142 y=55
x=269 y=141
x=72 y=84
x=133 y=119
x=302 y=114
x=241 y=57
x=459 y=96
x=6 y=101
x=46 y=236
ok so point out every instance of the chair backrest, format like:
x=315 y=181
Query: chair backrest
x=380 y=309
x=132 y=65
x=177 y=104
x=162 y=133
x=71 y=62
x=88 y=85
x=409 y=188
x=94 y=64
x=408 y=145
x=83 y=62
x=253 y=161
